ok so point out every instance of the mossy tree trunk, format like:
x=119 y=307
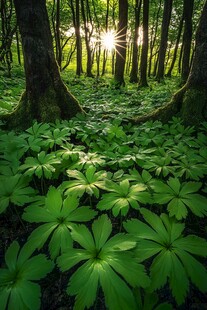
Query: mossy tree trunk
x=190 y=102
x=46 y=98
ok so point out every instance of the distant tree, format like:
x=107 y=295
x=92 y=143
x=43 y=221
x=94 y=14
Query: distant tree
x=164 y=37
x=105 y=53
x=85 y=13
x=76 y=23
x=153 y=36
x=187 y=38
x=121 y=43
x=179 y=32
x=145 y=42
x=190 y=102
x=8 y=29
x=46 y=98
x=134 y=69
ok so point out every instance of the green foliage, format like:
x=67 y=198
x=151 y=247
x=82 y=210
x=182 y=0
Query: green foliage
x=106 y=259
x=43 y=165
x=17 y=287
x=180 y=196
x=58 y=215
x=15 y=190
x=102 y=160
x=88 y=183
x=162 y=236
x=123 y=196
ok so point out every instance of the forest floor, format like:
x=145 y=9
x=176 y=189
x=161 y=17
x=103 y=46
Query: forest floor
x=165 y=151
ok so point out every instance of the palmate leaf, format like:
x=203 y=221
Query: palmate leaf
x=42 y=166
x=179 y=197
x=17 y=291
x=173 y=261
x=15 y=189
x=106 y=258
x=123 y=196
x=58 y=215
x=89 y=183
x=55 y=137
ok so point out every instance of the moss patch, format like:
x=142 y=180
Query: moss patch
x=194 y=107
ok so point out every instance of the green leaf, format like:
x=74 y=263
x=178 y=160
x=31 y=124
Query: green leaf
x=120 y=242
x=179 y=283
x=11 y=255
x=102 y=229
x=118 y=295
x=17 y=289
x=84 y=284
x=82 y=235
x=195 y=270
x=161 y=265
x=72 y=257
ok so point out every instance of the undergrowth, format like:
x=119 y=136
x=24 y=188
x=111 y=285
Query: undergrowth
x=117 y=211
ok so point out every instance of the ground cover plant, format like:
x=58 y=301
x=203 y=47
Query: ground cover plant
x=98 y=213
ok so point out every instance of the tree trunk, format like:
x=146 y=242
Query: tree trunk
x=164 y=37
x=87 y=42
x=134 y=69
x=144 y=54
x=169 y=73
x=46 y=97
x=190 y=102
x=105 y=52
x=187 y=37
x=8 y=29
x=153 y=38
x=121 y=43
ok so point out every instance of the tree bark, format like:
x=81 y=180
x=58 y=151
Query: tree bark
x=121 y=44
x=169 y=73
x=187 y=37
x=87 y=42
x=163 y=41
x=46 y=97
x=134 y=69
x=190 y=102
x=145 y=41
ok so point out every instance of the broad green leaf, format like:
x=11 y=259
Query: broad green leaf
x=82 y=235
x=192 y=244
x=162 y=266
x=141 y=230
x=102 y=229
x=60 y=240
x=156 y=223
x=179 y=283
x=84 y=283
x=120 y=242
x=146 y=249
x=129 y=269
x=195 y=270
x=118 y=295
x=11 y=255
